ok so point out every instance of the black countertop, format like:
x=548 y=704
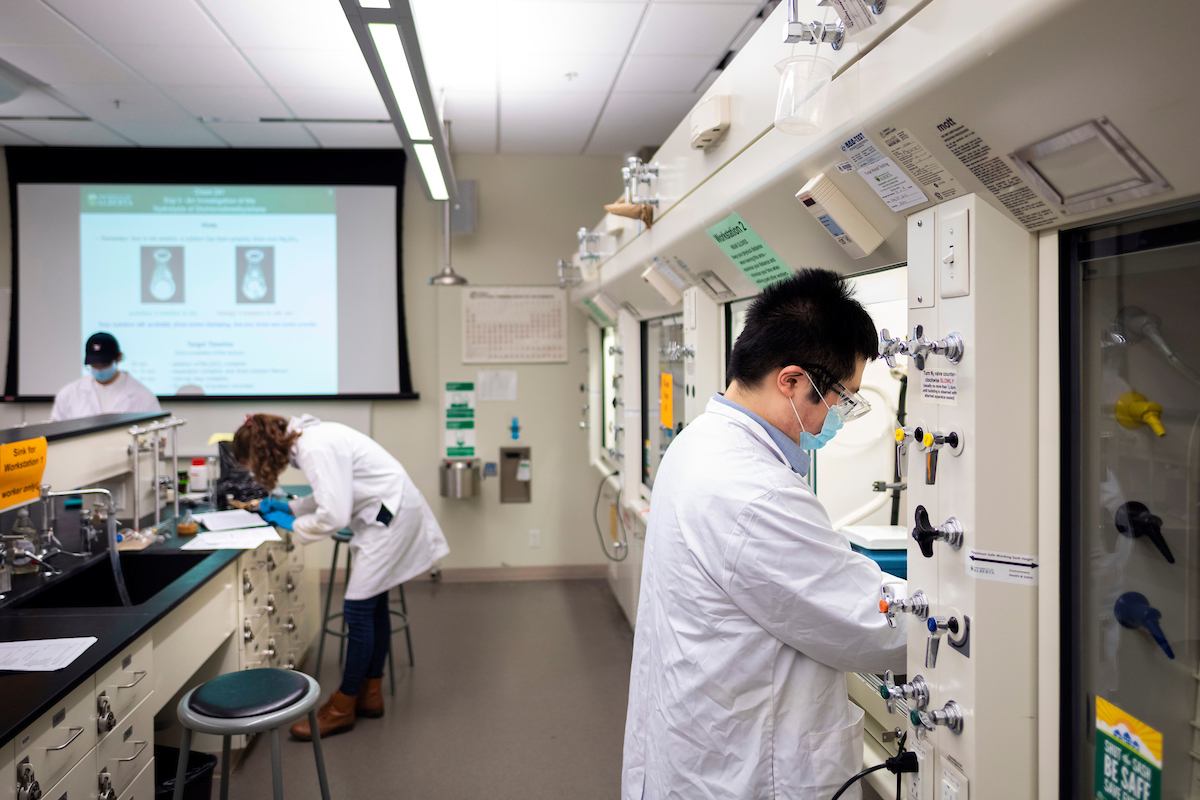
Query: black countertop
x=76 y=427
x=28 y=695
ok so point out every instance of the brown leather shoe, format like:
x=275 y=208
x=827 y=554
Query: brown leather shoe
x=336 y=716
x=370 y=699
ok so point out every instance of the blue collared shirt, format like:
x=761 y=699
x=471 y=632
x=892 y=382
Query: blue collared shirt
x=796 y=458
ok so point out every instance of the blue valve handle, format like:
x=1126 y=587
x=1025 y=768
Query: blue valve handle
x=1133 y=610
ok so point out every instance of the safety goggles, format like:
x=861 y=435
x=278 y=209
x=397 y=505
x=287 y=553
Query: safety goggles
x=852 y=405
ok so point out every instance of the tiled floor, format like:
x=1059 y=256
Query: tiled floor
x=519 y=691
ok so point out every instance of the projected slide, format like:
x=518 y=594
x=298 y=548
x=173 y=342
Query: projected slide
x=216 y=290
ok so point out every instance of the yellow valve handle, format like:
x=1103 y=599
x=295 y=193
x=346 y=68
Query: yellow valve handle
x=928 y=440
x=1134 y=410
x=900 y=435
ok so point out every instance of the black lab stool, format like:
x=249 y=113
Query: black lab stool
x=249 y=702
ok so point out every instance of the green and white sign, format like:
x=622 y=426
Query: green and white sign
x=1129 y=752
x=748 y=252
x=459 y=419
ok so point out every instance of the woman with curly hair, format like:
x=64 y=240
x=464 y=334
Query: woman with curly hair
x=355 y=484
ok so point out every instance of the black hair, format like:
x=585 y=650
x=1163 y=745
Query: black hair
x=811 y=320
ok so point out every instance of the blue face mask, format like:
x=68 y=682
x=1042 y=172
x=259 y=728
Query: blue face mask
x=104 y=375
x=829 y=428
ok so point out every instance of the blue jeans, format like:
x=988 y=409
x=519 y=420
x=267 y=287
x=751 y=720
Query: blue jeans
x=370 y=629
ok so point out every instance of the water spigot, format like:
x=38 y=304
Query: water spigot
x=1135 y=520
x=916 y=604
x=916 y=692
x=920 y=348
x=949 y=715
x=925 y=534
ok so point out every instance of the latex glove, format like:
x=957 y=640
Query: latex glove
x=270 y=504
x=280 y=519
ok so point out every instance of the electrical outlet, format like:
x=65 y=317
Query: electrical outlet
x=535 y=537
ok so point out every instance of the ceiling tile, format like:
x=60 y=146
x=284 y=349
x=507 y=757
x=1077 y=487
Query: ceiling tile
x=569 y=27
x=634 y=120
x=245 y=104
x=675 y=29
x=320 y=69
x=9 y=136
x=472 y=119
x=458 y=56
x=528 y=72
x=69 y=134
x=355 y=134
x=189 y=66
x=55 y=64
x=167 y=132
x=149 y=22
x=263 y=134
x=664 y=73
x=35 y=103
x=316 y=24
x=547 y=123
x=120 y=102
x=33 y=23
x=335 y=103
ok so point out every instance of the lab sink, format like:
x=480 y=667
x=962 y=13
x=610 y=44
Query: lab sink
x=93 y=586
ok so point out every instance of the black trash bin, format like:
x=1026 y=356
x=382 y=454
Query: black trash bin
x=197 y=781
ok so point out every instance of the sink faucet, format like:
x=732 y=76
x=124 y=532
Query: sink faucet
x=40 y=560
x=114 y=556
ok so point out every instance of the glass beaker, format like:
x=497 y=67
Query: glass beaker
x=162 y=281
x=254 y=282
x=800 y=103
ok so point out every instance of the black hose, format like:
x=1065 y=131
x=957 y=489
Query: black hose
x=624 y=548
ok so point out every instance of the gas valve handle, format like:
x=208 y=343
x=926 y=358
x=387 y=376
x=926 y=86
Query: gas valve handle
x=925 y=534
x=931 y=443
x=938 y=627
x=916 y=691
x=949 y=715
x=1135 y=520
x=891 y=346
x=920 y=348
x=917 y=605
x=1133 y=610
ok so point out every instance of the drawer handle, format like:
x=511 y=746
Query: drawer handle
x=141 y=673
x=75 y=733
x=135 y=756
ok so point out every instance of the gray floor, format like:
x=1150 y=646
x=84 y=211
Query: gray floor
x=519 y=691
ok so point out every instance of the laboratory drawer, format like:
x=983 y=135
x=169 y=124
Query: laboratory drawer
x=288 y=622
x=289 y=589
x=124 y=682
x=295 y=553
x=254 y=632
x=48 y=748
x=262 y=652
x=142 y=787
x=126 y=751
x=81 y=783
x=255 y=583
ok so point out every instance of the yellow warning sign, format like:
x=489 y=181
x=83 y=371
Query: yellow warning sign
x=22 y=465
x=666 y=399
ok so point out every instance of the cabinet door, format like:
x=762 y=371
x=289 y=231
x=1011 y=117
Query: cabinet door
x=125 y=681
x=82 y=782
x=129 y=747
x=142 y=787
x=56 y=742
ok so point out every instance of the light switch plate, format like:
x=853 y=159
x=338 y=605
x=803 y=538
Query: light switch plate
x=954 y=254
x=921 y=259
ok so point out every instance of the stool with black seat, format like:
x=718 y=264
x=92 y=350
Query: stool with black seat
x=328 y=615
x=249 y=702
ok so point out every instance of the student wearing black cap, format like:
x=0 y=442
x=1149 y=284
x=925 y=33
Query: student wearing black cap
x=105 y=390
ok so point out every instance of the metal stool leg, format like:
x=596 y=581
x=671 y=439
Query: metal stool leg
x=316 y=740
x=407 y=627
x=276 y=765
x=225 y=767
x=325 y=610
x=342 y=643
x=185 y=747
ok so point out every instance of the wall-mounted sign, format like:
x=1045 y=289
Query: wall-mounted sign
x=749 y=252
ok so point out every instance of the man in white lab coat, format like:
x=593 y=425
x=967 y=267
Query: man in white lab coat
x=105 y=389
x=752 y=607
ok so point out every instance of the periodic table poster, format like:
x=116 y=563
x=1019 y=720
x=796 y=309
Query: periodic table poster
x=514 y=325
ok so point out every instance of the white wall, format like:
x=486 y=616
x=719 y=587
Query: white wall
x=529 y=209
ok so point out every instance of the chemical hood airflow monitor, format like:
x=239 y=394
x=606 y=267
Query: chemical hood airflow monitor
x=839 y=217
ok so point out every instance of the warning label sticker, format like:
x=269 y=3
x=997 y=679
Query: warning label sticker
x=921 y=164
x=885 y=178
x=940 y=386
x=993 y=565
x=855 y=14
x=994 y=172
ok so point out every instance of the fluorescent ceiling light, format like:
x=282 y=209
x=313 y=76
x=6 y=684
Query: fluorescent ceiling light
x=432 y=170
x=375 y=3
x=395 y=65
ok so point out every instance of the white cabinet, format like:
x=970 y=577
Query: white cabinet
x=50 y=747
x=123 y=683
x=128 y=748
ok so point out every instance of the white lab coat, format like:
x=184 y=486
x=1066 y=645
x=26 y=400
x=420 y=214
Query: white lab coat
x=352 y=476
x=86 y=397
x=752 y=610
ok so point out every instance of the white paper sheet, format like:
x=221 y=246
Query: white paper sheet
x=228 y=520
x=497 y=384
x=241 y=539
x=42 y=655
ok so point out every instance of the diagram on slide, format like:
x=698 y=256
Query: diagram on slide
x=256 y=274
x=162 y=274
